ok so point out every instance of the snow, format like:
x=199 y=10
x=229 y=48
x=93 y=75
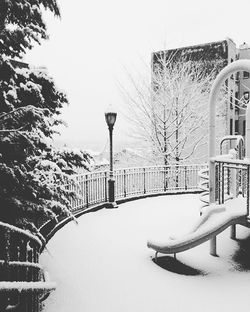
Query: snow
x=22 y=264
x=27 y=286
x=12 y=93
x=103 y=264
x=16 y=229
x=50 y=165
x=214 y=219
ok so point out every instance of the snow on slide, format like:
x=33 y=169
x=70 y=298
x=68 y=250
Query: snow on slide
x=214 y=220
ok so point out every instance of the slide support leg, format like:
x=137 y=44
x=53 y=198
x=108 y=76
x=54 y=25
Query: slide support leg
x=156 y=254
x=213 y=246
x=233 y=231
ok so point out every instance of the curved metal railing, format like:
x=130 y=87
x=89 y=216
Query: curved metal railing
x=23 y=284
x=92 y=188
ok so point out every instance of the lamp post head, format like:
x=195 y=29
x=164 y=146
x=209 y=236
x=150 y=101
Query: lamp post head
x=110 y=117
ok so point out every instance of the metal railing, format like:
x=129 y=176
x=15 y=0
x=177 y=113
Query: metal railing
x=92 y=188
x=232 y=178
x=23 y=284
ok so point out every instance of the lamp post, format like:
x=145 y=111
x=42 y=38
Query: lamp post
x=110 y=117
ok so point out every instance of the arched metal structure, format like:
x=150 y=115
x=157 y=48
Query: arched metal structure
x=240 y=65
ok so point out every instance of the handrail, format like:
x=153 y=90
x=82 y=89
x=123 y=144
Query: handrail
x=77 y=176
x=231 y=161
x=130 y=183
x=91 y=188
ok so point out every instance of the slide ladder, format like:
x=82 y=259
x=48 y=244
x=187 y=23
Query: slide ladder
x=204 y=185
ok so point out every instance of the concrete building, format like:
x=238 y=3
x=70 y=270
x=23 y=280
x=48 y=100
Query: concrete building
x=238 y=85
x=243 y=84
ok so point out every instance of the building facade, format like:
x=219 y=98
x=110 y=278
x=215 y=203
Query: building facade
x=237 y=86
x=243 y=89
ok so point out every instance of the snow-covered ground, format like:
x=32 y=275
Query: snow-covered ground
x=103 y=264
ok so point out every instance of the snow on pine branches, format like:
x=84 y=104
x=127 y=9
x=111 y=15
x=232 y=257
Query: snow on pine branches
x=22 y=24
x=32 y=171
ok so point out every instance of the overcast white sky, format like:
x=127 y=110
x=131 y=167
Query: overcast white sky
x=94 y=40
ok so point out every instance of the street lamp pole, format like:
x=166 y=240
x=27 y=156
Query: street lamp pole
x=110 y=117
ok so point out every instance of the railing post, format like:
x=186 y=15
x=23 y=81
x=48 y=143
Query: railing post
x=105 y=187
x=212 y=182
x=164 y=178
x=213 y=246
x=144 y=180
x=233 y=231
x=217 y=186
x=219 y=181
x=185 y=177
x=248 y=175
x=222 y=184
x=177 y=176
x=87 y=191
x=82 y=191
x=7 y=254
x=124 y=182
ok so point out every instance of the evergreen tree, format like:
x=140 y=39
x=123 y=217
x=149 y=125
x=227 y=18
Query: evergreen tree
x=32 y=172
x=21 y=24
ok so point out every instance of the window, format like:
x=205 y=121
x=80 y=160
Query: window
x=231 y=126
x=231 y=99
x=236 y=101
x=244 y=128
x=236 y=98
x=246 y=96
x=245 y=99
x=236 y=126
x=232 y=76
x=245 y=75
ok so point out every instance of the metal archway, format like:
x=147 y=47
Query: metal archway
x=240 y=65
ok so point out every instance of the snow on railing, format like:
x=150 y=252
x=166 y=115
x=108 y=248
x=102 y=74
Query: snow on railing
x=22 y=279
x=133 y=182
x=92 y=188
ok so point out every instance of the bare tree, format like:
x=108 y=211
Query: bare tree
x=170 y=109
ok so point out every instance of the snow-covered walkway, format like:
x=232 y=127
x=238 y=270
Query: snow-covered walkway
x=104 y=265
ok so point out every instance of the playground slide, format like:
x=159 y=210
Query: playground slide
x=214 y=220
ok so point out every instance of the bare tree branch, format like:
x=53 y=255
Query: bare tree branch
x=170 y=110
